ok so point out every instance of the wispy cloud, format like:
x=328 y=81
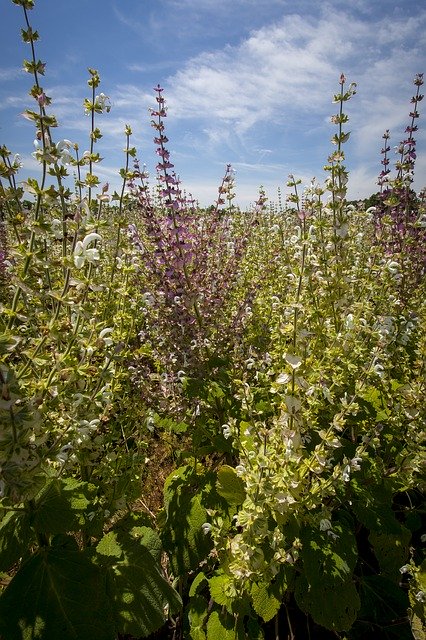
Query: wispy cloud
x=10 y=73
x=296 y=62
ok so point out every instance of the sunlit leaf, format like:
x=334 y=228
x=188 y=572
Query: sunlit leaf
x=56 y=594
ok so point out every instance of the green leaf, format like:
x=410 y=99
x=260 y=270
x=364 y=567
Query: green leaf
x=150 y=540
x=325 y=589
x=254 y=630
x=56 y=594
x=196 y=614
x=109 y=546
x=328 y=558
x=198 y=583
x=220 y=627
x=392 y=551
x=219 y=590
x=138 y=590
x=334 y=606
x=63 y=506
x=230 y=486
x=383 y=610
x=182 y=535
x=15 y=537
x=418 y=605
x=418 y=629
x=373 y=509
x=265 y=603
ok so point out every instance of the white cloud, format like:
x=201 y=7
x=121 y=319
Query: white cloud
x=10 y=73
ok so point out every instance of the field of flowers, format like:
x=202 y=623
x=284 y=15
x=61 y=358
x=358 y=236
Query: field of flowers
x=212 y=421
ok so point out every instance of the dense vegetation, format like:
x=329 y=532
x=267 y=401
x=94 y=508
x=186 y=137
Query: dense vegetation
x=272 y=360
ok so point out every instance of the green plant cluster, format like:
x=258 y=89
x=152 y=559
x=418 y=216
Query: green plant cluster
x=282 y=348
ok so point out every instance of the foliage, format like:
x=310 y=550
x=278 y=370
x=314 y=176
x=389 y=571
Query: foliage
x=295 y=391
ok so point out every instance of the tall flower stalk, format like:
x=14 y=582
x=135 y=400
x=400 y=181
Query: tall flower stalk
x=192 y=263
x=398 y=215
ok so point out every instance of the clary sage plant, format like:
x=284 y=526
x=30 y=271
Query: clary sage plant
x=281 y=348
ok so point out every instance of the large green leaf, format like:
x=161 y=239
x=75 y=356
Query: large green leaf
x=138 y=590
x=325 y=589
x=265 y=602
x=15 y=536
x=221 y=627
x=183 y=537
x=328 y=556
x=58 y=594
x=219 y=590
x=230 y=486
x=391 y=550
x=196 y=614
x=383 y=610
x=372 y=503
x=222 y=590
x=334 y=606
x=63 y=506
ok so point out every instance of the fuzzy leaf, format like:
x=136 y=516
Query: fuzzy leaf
x=109 y=546
x=373 y=509
x=15 y=536
x=220 y=627
x=418 y=605
x=56 y=594
x=230 y=486
x=418 y=629
x=138 y=590
x=183 y=537
x=198 y=583
x=326 y=558
x=218 y=591
x=149 y=539
x=196 y=614
x=325 y=589
x=392 y=551
x=383 y=607
x=62 y=506
x=333 y=606
x=265 y=603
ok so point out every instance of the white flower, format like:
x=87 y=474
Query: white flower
x=349 y=322
x=346 y=473
x=149 y=299
x=104 y=335
x=405 y=569
x=103 y=102
x=393 y=267
x=226 y=431
x=343 y=230
x=82 y=252
x=283 y=378
x=355 y=464
x=206 y=527
x=57 y=228
x=293 y=361
x=293 y=404
x=63 y=148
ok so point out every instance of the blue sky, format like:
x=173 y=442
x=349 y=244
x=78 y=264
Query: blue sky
x=249 y=82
